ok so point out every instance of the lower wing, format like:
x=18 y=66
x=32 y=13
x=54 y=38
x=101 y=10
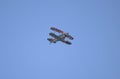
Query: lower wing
x=67 y=42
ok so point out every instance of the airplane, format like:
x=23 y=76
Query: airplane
x=60 y=37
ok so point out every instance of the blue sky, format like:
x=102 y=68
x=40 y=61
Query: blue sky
x=25 y=52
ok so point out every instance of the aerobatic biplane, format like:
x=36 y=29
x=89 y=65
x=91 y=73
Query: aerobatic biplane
x=60 y=37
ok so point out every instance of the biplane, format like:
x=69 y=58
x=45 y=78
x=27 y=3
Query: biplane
x=60 y=37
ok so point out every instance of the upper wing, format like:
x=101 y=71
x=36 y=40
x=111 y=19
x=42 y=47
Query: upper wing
x=57 y=30
x=60 y=31
x=67 y=42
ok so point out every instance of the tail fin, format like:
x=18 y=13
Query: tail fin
x=51 y=40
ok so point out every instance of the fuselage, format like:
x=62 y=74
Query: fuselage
x=60 y=38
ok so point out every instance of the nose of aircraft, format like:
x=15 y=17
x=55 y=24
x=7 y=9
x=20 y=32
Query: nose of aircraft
x=66 y=33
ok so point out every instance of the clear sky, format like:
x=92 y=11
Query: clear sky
x=25 y=52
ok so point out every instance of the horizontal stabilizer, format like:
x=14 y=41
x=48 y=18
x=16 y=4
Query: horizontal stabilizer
x=53 y=35
x=51 y=40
